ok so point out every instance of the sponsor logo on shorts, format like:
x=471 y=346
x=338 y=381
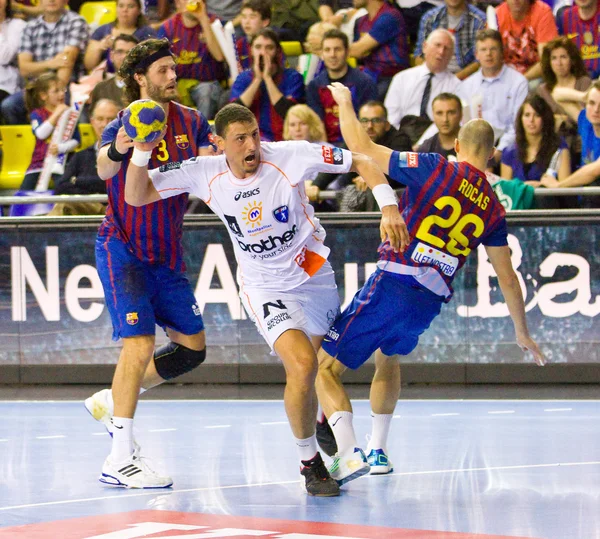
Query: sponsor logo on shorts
x=282 y=214
x=278 y=304
x=234 y=225
x=332 y=314
x=332 y=335
x=277 y=319
x=196 y=309
x=267 y=245
x=132 y=318
x=246 y=194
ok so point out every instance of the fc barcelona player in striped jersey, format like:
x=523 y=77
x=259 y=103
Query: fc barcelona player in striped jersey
x=139 y=261
x=449 y=209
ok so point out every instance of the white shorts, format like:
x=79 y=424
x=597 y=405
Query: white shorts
x=312 y=307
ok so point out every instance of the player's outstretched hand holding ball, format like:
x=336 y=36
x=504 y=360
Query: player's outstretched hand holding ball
x=144 y=122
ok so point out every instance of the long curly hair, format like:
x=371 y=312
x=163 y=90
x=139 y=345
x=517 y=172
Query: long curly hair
x=134 y=57
x=577 y=65
x=550 y=140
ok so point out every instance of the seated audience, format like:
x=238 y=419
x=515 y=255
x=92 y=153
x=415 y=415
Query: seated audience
x=45 y=101
x=112 y=87
x=225 y=10
x=464 y=21
x=269 y=90
x=198 y=55
x=55 y=41
x=336 y=12
x=130 y=20
x=28 y=9
x=495 y=92
x=255 y=15
x=537 y=148
x=314 y=37
x=581 y=23
x=318 y=96
x=291 y=20
x=380 y=43
x=447 y=116
x=81 y=176
x=10 y=38
x=411 y=93
x=525 y=26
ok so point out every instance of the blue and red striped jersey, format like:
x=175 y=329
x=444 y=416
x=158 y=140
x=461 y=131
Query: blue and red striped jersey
x=389 y=30
x=194 y=61
x=585 y=34
x=38 y=117
x=242 y=52
x=290 y=84
x=449 y=209
x=153 y=232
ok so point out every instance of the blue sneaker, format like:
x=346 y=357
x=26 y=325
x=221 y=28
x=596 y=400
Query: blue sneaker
x=379 y=462
x=349 y=466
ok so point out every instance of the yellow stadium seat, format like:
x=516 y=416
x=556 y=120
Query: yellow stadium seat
x=88 y=136
x=18 y=142
x=352 y=61
x=292 y=48
x=97 y=13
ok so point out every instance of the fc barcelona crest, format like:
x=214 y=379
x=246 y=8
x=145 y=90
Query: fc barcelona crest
x=182 y=141
x=132 y=318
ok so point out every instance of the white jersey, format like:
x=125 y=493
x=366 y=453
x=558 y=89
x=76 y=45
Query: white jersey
x=277 y=240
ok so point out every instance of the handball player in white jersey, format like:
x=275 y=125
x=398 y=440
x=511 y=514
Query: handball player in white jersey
x=286 y=284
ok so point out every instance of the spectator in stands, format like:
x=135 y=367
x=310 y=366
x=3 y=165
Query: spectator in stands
x=380 y=43
x=269 y=90
x=10 y=37
x=81 y=176
x=373 y=119
x=314 y=37
x=52 y=41
x=112 y=88
x=318 y=96
x=528 y=158
x=28 y=9
x=447 y=116
x=336 y=12
x=198 y=55
x=255 y=15
x=130 y=20
x=464 y=21
x=495 y=92
x=45 y=101
x=411 y=93
x=225 y=10
x=588 y=126
x=292 y=20
x=526 y=26
x=581 y=23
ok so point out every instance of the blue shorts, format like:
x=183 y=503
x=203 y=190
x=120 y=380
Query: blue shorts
x=388 y=312
x=140 y=295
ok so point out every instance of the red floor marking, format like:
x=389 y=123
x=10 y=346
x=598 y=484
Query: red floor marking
x=176 y=525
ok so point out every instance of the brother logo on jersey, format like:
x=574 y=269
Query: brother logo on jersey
x=270 y=243
x=246 y=194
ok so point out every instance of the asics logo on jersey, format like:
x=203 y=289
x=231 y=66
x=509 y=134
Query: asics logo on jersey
x=270 y=243
x=246 y=194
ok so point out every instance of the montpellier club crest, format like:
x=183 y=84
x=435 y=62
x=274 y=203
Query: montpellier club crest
x=282 y=214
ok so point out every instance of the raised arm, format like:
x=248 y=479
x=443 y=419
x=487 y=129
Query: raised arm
x=511 y=289
x=110 y=156
x=139 y=189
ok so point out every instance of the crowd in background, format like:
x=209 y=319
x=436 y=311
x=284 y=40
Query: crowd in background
x=416 y=71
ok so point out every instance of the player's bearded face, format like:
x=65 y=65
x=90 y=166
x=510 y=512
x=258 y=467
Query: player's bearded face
x=161 y=82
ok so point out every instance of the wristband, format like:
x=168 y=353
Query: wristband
x=140 y=158
x=113 y=154
x=384 y=195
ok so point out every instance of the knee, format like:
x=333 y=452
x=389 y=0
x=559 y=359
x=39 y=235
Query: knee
x=304 y=370
x=138 y=350
x=173 y=360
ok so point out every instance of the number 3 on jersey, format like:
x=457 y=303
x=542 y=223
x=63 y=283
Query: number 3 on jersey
x=161 y=151
x=458 y=243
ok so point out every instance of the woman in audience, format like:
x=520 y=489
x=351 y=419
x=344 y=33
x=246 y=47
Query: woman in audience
x=562 y=67
x=130 y=20
x=10 y=38
x=531 y=156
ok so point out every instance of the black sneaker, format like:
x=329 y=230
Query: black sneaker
x=325 y=437
x=318 y=480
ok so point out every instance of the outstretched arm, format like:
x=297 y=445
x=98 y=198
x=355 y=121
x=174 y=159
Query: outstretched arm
x=139 y=189
x=511 y=289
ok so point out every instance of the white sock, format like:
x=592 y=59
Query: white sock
x=320 y=414
x=122 y=443
x=307 y=448
x=341 y=424
x=380 y=432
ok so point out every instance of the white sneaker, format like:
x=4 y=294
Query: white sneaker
x=379 y=462
x=133 y=472
x=98 y=405
x=349 y=466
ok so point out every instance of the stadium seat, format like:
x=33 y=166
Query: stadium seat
x=17 y=148
x=352 y=61
x=88 y=136
x=292 y=48
x=97 y=13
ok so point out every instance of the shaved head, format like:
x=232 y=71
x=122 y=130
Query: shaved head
x=476 y=137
